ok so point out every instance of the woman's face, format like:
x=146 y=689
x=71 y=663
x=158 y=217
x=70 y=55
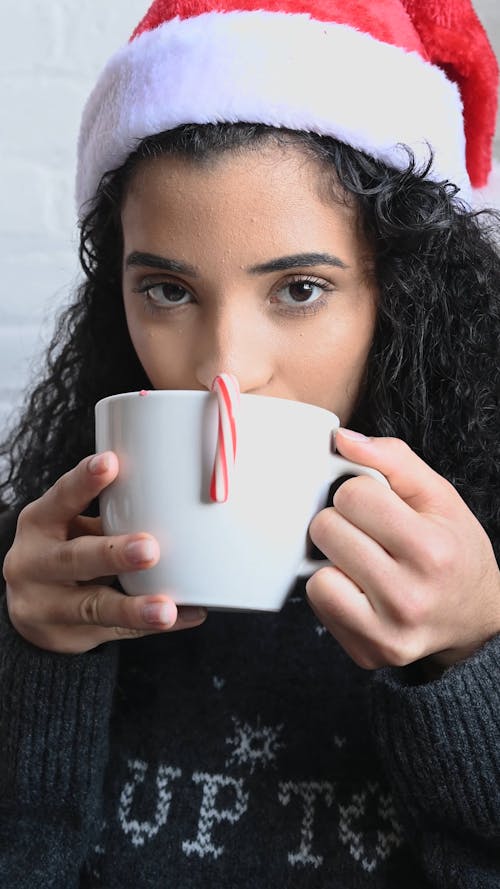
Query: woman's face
x=240 y=265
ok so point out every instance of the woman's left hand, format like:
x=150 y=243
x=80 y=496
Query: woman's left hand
x=415 y=574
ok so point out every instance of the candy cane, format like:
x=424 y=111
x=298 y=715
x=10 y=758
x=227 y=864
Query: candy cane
x=227 y=389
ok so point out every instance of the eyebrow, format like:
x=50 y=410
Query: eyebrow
x=280 y=264
x=296 y=261
x=152 y=261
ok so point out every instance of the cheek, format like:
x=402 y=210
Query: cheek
x=163 y=363
x=154 y=354
x=138 y=331
x=329 y=367
x=163 y=352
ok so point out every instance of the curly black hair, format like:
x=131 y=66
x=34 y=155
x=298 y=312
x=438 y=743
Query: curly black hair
x=433 y=372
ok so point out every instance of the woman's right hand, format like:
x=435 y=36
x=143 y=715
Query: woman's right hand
x=60 y=565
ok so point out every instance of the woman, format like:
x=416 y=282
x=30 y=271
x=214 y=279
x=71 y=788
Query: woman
x=312 y=271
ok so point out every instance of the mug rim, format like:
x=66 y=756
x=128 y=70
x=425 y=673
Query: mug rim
x=202 y=394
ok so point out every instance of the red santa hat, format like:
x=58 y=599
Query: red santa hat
x=376 y=74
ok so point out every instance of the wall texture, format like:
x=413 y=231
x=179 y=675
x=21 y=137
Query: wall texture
x=50 y=54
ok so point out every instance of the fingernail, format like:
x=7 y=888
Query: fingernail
x=140 y=551
x=190 y=613
x=99 y=464
x=160 y=613
x=353 y=435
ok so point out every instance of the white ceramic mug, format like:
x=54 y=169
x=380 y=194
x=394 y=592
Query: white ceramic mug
x=246 y=553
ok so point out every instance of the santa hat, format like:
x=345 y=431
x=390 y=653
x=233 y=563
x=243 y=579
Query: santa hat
x=376 y=74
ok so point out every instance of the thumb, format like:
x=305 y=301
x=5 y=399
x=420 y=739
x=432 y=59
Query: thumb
x=409 y=477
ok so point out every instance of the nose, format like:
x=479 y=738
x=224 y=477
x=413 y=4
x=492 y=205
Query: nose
x=238 y=342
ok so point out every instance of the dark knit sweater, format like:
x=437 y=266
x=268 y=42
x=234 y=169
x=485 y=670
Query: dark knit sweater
x=250 y=752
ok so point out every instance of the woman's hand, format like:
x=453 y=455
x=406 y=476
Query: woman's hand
x=58 y=571
x=415 y=574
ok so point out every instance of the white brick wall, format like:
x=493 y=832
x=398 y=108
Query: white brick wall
x=50 y=54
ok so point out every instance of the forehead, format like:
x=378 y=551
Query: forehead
x=280 y=169
x=272 y=192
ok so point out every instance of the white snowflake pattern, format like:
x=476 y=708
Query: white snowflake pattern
x=218 y=683
x=254 y=746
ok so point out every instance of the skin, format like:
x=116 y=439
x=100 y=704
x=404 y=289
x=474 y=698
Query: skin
x=244 y=264
x=301 y=333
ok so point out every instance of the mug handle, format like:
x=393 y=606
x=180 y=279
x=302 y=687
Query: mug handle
x=341 y=466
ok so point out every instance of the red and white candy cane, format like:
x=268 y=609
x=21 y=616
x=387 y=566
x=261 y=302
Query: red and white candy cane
x=227 y=389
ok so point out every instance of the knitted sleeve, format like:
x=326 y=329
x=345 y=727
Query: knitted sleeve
x=440 y=743
x=54 y=716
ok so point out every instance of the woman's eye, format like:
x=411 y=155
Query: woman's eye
x=167 y=294
x=302 y=291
